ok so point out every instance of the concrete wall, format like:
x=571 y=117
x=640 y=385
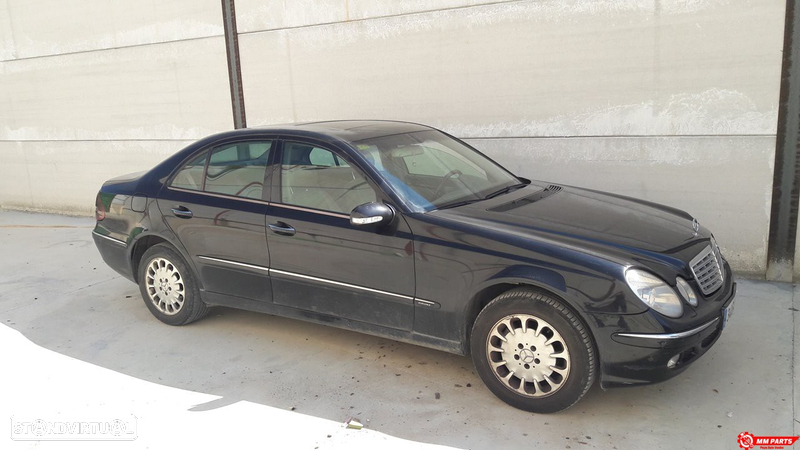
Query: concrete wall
x=90 y=89
x=674 y=101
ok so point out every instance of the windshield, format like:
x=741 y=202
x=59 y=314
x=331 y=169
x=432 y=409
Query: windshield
x=431 y=170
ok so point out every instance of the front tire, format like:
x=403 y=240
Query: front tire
x=168 y=287
x=533 y=352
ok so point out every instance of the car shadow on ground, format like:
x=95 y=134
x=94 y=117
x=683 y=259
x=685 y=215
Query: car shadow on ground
x=404 y=390
x=65 y=299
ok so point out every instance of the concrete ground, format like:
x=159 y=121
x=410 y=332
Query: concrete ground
x=86 y=346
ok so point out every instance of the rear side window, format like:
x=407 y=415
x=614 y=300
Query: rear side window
x=191 y=175
x=235 y=169
x=238 y=169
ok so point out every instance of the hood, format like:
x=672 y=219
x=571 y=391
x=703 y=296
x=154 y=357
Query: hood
x=590 y=218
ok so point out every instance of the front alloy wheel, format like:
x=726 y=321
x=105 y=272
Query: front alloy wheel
x=528 y=355
x=532 y=351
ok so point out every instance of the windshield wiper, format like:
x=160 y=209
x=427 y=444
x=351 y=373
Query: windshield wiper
x=505 y=190
x=461 y=203
x=492 y=195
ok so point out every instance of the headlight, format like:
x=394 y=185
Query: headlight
x=686 y=291
x=654 y=292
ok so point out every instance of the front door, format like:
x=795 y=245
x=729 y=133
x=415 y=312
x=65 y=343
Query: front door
x=322 y=263
x=216 y=205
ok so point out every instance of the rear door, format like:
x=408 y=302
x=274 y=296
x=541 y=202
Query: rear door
x=322 y=263
x=216 y=204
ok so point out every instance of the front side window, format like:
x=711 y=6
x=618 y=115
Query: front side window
x=431 y=170
x=314 y=177
x=234 y=169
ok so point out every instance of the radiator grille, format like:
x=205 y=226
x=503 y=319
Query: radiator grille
x=707 y=269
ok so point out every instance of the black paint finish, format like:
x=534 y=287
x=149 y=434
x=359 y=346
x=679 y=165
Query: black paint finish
x=423 y=277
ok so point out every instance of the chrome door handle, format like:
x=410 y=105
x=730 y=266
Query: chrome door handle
x=182 y=212
x=282 y=228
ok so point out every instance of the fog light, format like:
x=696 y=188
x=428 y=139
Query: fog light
x=673 y=361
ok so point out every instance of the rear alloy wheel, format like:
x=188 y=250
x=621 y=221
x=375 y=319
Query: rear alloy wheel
x=533 y=352
x=165 y=286
x=168 y=287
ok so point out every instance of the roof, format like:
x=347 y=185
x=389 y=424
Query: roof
x=351 y=130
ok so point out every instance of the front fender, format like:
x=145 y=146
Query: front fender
x=583 y=293
x=523 y=274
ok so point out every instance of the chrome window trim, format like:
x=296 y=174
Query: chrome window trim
x=235 y=263
x=682 y=334
x=339 y=283
x=311 y=210
x=214 y=194
x=114 y=240
x=261 y=202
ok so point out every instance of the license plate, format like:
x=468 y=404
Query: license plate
x=726 y=315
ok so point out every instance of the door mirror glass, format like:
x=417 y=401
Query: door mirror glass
x=372 y=213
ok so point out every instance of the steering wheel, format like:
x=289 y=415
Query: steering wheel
x=446 y=177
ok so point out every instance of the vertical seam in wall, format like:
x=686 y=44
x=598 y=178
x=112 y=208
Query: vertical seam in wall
x=291 y=76
x=794 y=362
x=786 y=178
x=656 y=108
x=28 y=176
x=234 y=66
x=13 y=33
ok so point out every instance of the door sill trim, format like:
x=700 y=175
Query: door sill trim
x=339 y=283
x=235 y=263
x=270 y=271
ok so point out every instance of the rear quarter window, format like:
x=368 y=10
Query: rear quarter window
x=191 y=175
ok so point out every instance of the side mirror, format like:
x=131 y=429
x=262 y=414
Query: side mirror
x=371 y=213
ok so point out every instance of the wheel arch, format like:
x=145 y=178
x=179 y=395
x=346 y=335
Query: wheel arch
x=499 y=285
x=146 y=241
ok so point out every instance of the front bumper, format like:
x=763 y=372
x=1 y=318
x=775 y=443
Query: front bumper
x=630 y=359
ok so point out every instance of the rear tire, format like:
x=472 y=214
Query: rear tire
x=533 y=352
x=168 y=287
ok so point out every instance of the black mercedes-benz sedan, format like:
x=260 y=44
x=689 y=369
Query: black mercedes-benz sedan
x=401 y=230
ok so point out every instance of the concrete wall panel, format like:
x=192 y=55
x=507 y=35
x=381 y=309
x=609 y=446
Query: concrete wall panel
x=176 y=90
x=796 y=267
x=363 y=9
x=32 y=28
x=64 y=176
x=674 y=101
x=259 y=15
x=545 y=68
x=6 y=38
x=725 y=182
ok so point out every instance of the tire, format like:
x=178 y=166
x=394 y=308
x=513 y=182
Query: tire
x=550 y=345
x=168 y=287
